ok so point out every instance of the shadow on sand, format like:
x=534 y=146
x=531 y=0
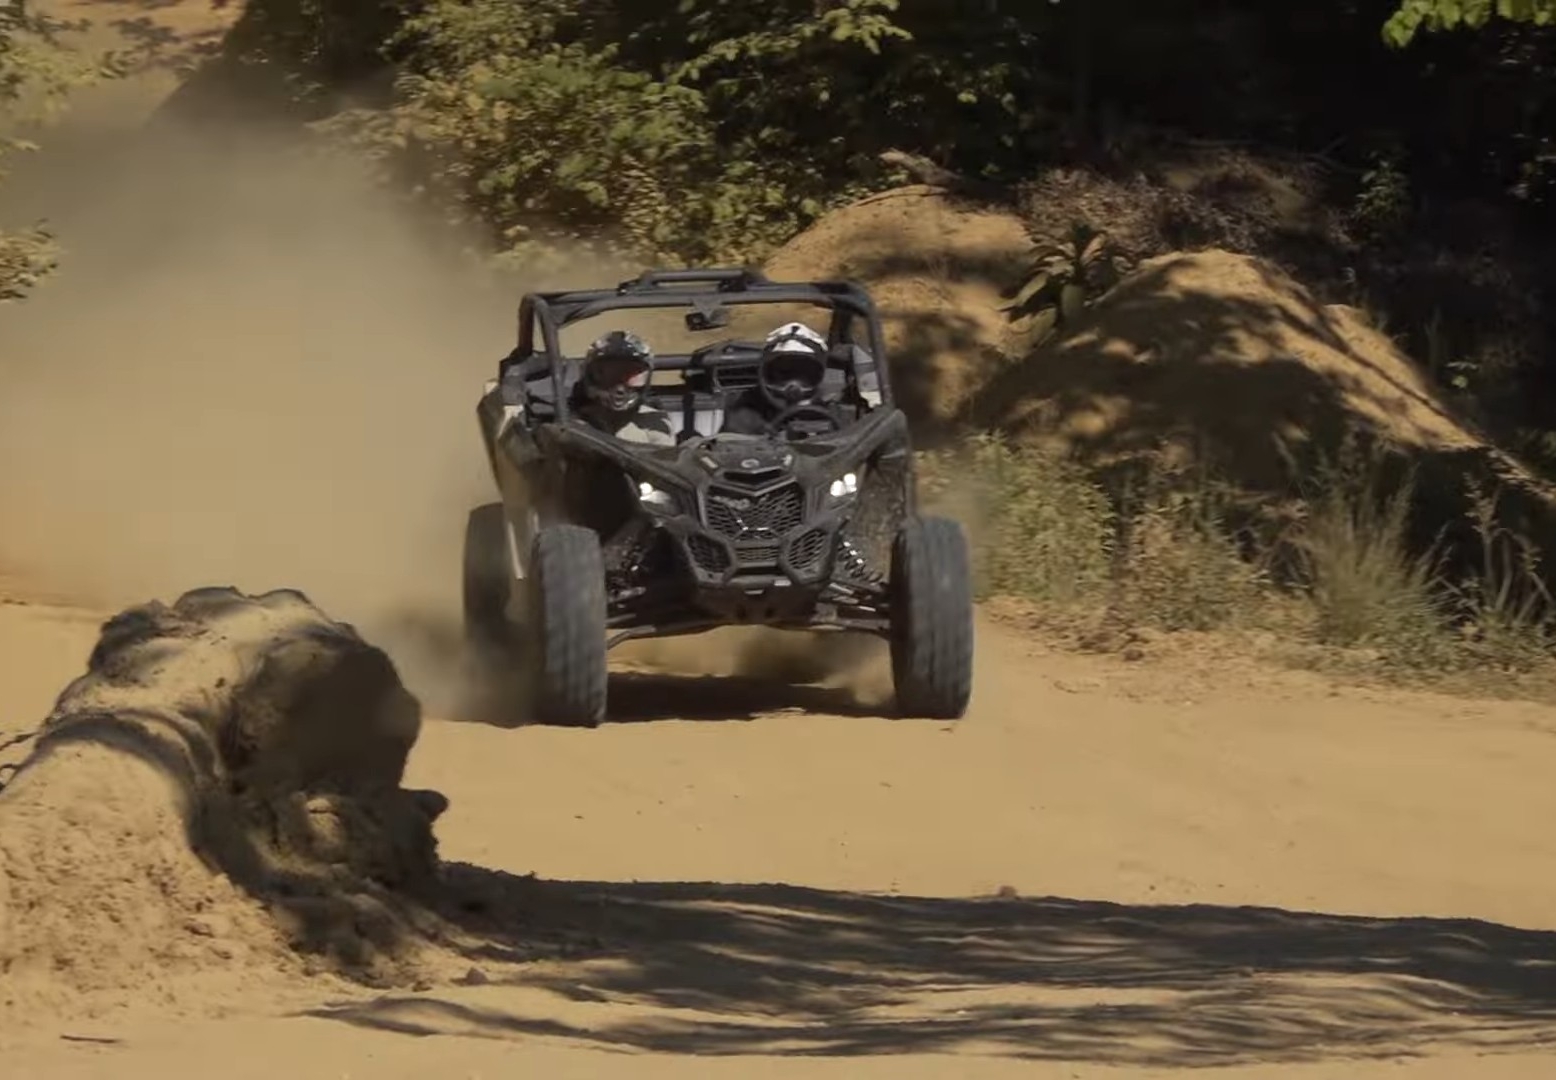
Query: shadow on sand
x=773 y=969
x=637 y=697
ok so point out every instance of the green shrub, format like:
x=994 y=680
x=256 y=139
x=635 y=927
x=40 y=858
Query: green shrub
x=1182 y=568
x=1045 y=529
x=1505 y=609
x=511 y=115
x=1162 y=553
x=1367 y=587
x=1041 y=529
x=673 y=130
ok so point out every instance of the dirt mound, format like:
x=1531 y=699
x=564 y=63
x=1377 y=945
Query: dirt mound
x=221 y=786
x=1223 y=355
x=1235 y=363
x=940 y=272
x=1212 y=346
x=1207 y=344
x=951 y=274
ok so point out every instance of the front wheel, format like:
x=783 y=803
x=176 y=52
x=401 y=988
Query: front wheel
x=931 y=619
x=565 y=625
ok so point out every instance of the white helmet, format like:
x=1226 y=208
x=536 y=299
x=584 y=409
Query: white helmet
x=794 y=361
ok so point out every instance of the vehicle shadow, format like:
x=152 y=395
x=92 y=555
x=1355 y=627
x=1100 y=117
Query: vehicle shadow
x=640 y=697
x=643 y=696
x=713 y=969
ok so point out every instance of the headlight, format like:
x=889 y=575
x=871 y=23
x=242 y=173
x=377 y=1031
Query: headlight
x=654 y=498
x=844 y=486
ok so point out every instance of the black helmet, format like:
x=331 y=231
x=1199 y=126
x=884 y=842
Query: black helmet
x=794 y=362
x=617 y=369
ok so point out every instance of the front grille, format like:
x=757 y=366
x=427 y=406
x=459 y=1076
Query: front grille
x=755 y=517
x=760 y=554
x=808 y=550
x=709 y=555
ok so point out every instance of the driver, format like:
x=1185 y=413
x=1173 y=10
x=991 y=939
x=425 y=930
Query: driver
x=793 y=365
x=616 y=373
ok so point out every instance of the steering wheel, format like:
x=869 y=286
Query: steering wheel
x=804 y=408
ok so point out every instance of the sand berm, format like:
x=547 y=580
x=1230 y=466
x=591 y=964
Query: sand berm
x=220 y=790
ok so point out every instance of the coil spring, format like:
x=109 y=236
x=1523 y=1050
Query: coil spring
x=855 y=566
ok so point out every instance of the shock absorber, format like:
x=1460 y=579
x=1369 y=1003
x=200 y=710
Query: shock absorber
x=856 y=566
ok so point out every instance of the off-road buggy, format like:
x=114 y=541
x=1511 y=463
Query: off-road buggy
x=813 y=526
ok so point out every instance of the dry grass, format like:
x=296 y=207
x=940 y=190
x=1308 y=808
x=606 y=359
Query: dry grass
x=1352 y=592
x=1041 y=529
x=1368 y=589
x=1044 y=529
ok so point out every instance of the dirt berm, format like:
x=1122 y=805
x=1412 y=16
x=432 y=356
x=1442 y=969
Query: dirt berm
x=220 y=790
x=1223 y=355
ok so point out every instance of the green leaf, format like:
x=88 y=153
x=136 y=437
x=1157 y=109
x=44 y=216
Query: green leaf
x=1412 y=16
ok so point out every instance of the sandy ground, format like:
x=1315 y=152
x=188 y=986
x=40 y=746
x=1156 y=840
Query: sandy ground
x=1104 y=870
x=1108 y=869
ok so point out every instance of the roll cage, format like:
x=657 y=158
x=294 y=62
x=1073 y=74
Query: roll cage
x=708 y=294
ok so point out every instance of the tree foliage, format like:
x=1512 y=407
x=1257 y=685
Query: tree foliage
x=37 y=71
x=678 y=129
x=1416 y=15
x=710 y=129
x=537 y=129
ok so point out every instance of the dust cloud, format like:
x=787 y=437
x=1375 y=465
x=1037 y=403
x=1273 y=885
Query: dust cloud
x=255 y=369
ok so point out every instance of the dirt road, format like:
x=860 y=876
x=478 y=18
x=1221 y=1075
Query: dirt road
x=1108 y=869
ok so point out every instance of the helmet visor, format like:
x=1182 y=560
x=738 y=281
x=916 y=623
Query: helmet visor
x=611 y=372
x=795 y=369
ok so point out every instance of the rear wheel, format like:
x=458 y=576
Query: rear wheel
x=565 y=625
x=488 y=580
x=931 y=619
